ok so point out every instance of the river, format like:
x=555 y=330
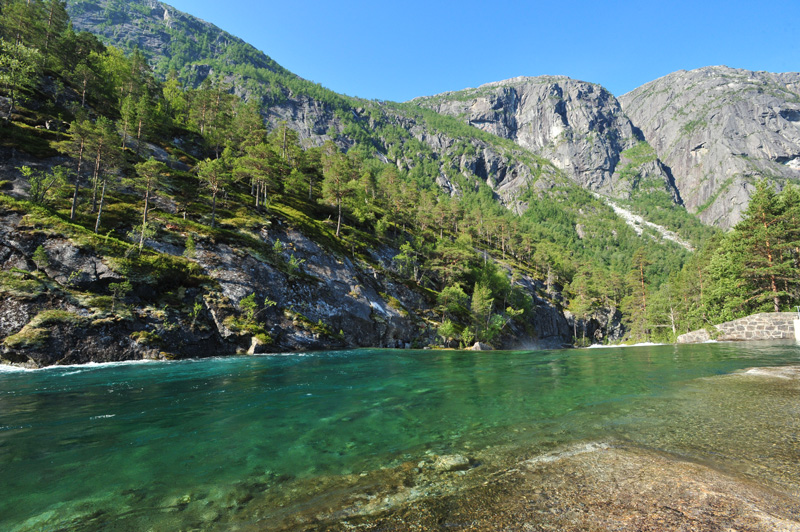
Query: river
x=288 y=442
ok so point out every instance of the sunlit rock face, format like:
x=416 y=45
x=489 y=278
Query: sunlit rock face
x=579 y=126
x=719 y=130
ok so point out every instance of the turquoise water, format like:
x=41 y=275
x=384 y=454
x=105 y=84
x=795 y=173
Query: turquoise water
x=213 y=443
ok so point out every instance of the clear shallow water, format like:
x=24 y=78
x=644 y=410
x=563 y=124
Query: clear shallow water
x=128 y=445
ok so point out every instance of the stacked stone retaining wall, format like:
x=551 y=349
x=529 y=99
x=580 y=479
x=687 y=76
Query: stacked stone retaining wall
x=765 y=326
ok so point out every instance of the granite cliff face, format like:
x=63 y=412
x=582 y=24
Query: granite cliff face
x=579 y=126
x=719 y=130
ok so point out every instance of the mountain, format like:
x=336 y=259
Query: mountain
x=579 y=126
x=395 y=224
x=720 y=130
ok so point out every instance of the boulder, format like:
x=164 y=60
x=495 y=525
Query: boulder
x=480 y=346
x=451 y=462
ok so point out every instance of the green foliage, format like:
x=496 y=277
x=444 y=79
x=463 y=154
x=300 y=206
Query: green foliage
x=447 y=331
x=40 y=258
x=190 y=248
x=18 y=64
x=42 y=182
x=119 y=291
x=37 y=332
x=293 y=266
x=147 y=338
x=20 y=284
x=465 y=251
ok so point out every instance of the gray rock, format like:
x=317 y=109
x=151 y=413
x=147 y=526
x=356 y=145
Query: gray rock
x=720 y=129
x=451 y=462
x=480 y=346
x=579 y=126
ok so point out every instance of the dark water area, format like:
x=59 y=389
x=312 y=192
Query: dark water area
x=254 y=442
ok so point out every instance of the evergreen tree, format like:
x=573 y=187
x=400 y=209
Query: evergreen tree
x=56 y=24
x=482 y=305
x=337 y=175
x=144 y=113
x=215 y=176
x=258 y=166
x=80 y=132
x=635 y=303
x=149 y=175
x=17 y=71
x=177 y=104
x=107 y=158
x=584 y=297
x=768 y=264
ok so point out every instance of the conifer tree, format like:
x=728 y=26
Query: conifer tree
x=148 y=179
x=635 y=303
x=215 y=175
x=768 y=261
x=17 y=71
x=337 y=175
x=481 y=306
x=107 y=158
x=80 y=132
x=56 y=24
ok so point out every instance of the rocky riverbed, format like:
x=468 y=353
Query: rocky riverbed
x=594 y=488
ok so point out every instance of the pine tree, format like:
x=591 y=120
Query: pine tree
x=107 y=157
x=56 y=24
x=634 y=305
x=214 y=175
x=481 y=306
x=17 y=71
x=768 y=263
x=80 y=132
x=144 y=119
x=337 y=175
x=148 y=179
x=258 y=166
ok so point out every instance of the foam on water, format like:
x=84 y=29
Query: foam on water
x=642 y=344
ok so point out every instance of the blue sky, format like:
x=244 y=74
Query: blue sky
x=400 y=50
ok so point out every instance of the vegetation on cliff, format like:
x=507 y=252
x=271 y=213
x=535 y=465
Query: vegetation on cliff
x=138 y=170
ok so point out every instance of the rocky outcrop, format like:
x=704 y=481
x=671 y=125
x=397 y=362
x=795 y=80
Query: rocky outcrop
x=64 y=310
x=764 y=326
x=719 y=130
x=579 y=126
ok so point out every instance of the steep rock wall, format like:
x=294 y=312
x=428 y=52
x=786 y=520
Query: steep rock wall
x=719 y=130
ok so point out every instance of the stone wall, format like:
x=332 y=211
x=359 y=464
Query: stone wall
x=765 y=326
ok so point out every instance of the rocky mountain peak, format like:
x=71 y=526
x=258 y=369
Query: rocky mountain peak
x=577 y=125
x=720 y=129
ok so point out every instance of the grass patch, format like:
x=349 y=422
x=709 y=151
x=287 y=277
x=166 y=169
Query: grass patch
x=36 y=333
x=33 y=141
x=49 y=318
x=27 y=338
x=20 y=284
x=395 y=303
x=147 y=338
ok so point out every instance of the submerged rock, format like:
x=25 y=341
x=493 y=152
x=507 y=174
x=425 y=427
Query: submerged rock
x=451 y=462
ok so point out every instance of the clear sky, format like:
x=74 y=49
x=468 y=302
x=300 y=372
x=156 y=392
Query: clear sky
x=399 y=50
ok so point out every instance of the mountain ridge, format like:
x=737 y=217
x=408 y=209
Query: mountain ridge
x=598 y=131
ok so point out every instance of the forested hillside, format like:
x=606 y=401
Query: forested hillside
x=194 y=198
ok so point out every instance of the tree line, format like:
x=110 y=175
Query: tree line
x=463 y=246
